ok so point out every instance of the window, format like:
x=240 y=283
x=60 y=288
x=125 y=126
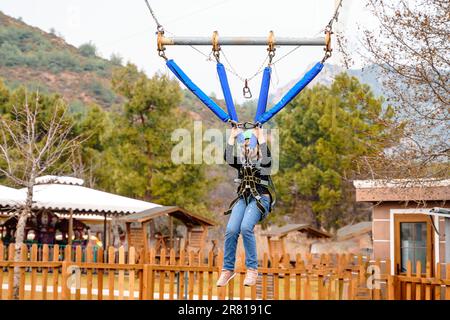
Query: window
x=414 y=241
x=413 y=244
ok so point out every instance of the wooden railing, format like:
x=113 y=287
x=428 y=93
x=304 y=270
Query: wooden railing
x=116 y=275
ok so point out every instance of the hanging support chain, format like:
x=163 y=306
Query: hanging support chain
x=159 y=32
x=329 y=31
x=271 y=46
x=215 y=46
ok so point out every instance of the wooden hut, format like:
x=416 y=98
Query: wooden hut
x=276 y=237
x=140 y=233
x=405 y=226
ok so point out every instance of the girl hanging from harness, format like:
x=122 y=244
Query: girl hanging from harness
x=252 y=204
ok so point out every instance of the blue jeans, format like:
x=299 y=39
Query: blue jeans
x=243 y=219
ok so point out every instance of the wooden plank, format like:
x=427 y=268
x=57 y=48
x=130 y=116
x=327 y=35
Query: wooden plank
x=55 y=272
x=408 y=285
x=191 y=277
x=221 y=291
x=131 y=273
x=428 y=273
x=34 y=252
x=265 y=264
x=121 y=273
x=308 y=293
x=253 y=292
x=241 y=267
x=147 y=283
x=181 y=275
x=162 y=274
x=298 y=277
x=11 y=252
x=44 y=276
x=200 y=276
x=100 y=273
x=172 y=262
x=276 y=275
x=23 y=258
x=210 y=273
x=377 y=292
x=287 y=278
x=65 y=290
x=89 y=259
x=447 y=277
x=2 y=252
x=68 y=253
x=78 y=259
x=438 y=277
x=152 y=273
x=418 y=275
x=111 y=260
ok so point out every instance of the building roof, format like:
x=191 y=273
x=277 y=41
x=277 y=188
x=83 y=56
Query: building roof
x=402 y=190
x=82 y=200
x=10 y=197
x=354 y=230
x=186 y=217
x=288 y=228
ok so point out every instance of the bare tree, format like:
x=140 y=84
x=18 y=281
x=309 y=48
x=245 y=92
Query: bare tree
x=411 y=48
x=30 y=147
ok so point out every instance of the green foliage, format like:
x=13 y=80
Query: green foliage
x=325 y=134
x=88 y=49
x=97 y=89
x=28 y=48
x=116 y=59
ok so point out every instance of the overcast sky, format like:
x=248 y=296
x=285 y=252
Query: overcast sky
x=126 y=28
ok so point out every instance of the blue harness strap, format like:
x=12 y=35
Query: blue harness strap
x=291 y=94
x=214 y=107
x=226 y=92
x=263 y=93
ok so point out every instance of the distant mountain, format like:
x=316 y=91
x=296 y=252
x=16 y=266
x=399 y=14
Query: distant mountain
x=41 y=60
x=369 y=75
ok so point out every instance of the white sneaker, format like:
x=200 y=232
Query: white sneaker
x=250 y=277
x=225 y=277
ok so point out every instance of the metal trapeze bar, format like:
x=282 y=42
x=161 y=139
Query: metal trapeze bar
x=241 y=41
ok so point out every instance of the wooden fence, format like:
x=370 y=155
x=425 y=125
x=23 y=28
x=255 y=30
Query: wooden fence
x=45 y=274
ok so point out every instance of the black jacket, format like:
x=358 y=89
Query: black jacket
x=265 y=165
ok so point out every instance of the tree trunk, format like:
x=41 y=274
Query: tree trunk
x=20 y=237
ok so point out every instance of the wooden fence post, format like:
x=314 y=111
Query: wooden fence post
x=1 y=270
x=131 y=273
x=419 y=284
x=447 y=284
x=23 y=258
x=65 y=290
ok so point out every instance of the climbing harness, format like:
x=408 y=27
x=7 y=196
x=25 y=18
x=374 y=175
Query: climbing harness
x=248 y=187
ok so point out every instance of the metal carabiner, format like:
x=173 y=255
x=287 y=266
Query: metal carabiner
x=246 y=90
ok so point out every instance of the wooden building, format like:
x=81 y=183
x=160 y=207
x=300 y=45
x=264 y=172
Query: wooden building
x=140 y=233
x=404 y=226
x=276 y=237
